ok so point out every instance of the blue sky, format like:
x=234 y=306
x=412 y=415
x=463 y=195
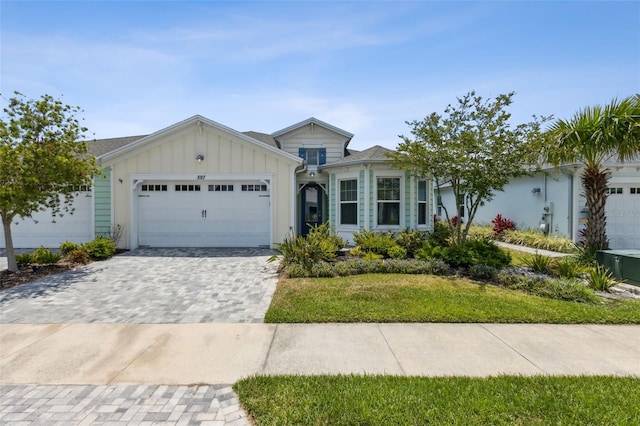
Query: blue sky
x=366 y=67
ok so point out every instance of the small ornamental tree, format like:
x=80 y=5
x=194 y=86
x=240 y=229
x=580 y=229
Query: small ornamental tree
x=41 y=160
x=474 y=149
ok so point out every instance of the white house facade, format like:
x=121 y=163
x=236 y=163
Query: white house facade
x=199 y=183
x=553 y=200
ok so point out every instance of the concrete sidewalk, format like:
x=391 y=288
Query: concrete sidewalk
x=182 y=354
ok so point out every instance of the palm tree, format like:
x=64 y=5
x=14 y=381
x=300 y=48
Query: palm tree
x=591 y=137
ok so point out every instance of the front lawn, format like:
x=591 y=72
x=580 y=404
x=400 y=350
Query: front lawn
x=427 y=298
x=391 y=400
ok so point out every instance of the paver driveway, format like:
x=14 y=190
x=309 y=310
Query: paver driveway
x=151 y=286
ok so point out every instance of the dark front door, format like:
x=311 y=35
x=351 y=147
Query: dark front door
x=311 y=207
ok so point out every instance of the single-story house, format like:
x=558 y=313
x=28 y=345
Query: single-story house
x=553 y=201
x=198 y=183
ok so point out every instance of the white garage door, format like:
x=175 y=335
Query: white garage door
x=623 y=216
x=50 y=232
x=203 y=214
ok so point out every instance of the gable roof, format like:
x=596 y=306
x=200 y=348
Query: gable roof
x=98 y=147
x=263 y=137
x=375 y=154
x=196 y=119
x=314 y=121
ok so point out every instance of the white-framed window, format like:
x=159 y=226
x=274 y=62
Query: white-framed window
x=220 y=188
x=313 y=156
x=422 y=203
x=614 y=190
x=349 y=202
x=161 y=188
x=634 y=191
x=388 y=200
x=187 y=188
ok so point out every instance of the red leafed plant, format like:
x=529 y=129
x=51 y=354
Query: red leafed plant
x=501 y=224
x=454 y=221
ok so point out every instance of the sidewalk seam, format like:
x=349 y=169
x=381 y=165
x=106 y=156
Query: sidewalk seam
x=379 y=326
x=155 y=342
x=263 y=367
x=65 y=325
x=512 y=348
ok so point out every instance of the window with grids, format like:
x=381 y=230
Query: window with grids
x=388 y=192
x=617 y=190
x=422 y=202
x=254 y=188
x=349 y=202
x=187 y=188
x=634 y=191
x=146 y=188
x=220 y=188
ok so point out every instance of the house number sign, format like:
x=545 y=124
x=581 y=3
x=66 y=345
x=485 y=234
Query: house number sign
x=201 y=177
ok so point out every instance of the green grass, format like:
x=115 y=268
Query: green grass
x=391 y=400
x=426 y=298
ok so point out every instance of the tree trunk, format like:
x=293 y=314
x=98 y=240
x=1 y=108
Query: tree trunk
x=594 y=181
x=8 y=240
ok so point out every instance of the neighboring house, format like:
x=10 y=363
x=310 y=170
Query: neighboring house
x=198 y=183
x=553 y=200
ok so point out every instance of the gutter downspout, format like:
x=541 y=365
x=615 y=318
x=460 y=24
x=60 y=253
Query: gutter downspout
x=570 y=203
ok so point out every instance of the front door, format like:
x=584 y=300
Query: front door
x=311 y=207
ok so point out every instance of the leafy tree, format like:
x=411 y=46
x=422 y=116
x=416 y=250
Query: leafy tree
x=474 y=149
x=593 y=136
x=41 y=160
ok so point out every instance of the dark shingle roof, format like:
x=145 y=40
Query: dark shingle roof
x=374 y=154
x=98 y=147
x=264 y=138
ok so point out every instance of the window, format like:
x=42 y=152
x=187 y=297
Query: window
x=222 y=188
x=349 y=202
x=635 y=191
x=254 y=188
x=187 y=188
x=158 y=188
x=388 y=201
x=422 y=202
x=80 y=188
x=612 y=191
x=313 y=156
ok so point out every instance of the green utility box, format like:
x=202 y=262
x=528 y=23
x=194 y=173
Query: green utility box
x=623 y=264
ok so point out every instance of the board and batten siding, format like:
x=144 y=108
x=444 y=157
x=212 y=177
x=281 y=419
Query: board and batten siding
x=314 y=137
x=224 y=154
x=102 y=199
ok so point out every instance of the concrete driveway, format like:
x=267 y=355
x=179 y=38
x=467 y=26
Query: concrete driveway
x=151 y=286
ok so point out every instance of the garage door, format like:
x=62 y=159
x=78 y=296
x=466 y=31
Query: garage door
x=204 y=214
x=43 y=230
x=623 y=216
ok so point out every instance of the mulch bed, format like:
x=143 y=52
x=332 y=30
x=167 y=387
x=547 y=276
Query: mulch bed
x=31 y=273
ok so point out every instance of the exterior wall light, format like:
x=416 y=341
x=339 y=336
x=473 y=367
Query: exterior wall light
x=200 y=158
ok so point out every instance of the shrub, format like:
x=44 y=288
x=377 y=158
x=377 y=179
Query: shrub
x=372 y=256
x=501 y=224
x=600 y=278
x=322 y=270
x=23 y=259
x=295 y=270
x=440 y=235
x=101 y=248
x=44 y=256
x=567 y=267
x=480 y=232
x=397 y=252
x=410 y=241
x=424 y=252
x=534 y=239
x=330 y=243
x=538 y=263
x=374 y=242
x=68 y=246
x=298 y=250
x=483 y=272
x=570 y=290
x=79 y=256
x=486 y=252
x=455 y=256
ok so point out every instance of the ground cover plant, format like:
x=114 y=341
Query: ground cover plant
x=386 y=400
x=428 y=298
